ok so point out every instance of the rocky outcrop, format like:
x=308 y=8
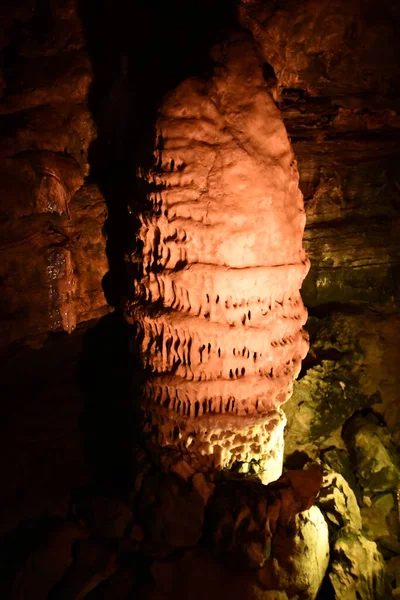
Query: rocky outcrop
x=281 y=578
x=52 y=216
x=352 y=365
x=335 y=84
x=258 y=542
x=150 y=544
x=356 y=568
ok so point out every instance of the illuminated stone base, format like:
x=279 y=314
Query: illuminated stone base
x=245 y=444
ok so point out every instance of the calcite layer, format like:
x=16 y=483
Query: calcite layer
x=216 y=301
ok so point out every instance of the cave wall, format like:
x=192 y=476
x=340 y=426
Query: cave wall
x=52 y=212
x=333 y=69
x=334 y=73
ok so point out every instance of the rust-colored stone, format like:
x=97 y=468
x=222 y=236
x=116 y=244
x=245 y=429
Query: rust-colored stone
x=217 y=300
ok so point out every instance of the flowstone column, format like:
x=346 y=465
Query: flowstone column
x=219 y=266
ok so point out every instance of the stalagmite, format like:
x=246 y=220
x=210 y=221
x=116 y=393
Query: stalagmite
x=219 y=265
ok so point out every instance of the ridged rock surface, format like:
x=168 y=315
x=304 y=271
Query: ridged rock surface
x=51 y=217
x=221 y=262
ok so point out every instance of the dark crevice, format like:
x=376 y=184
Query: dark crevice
x=311 y=361
x=366 y=413
x=322 y=311
x=366 y=223
x=326 y=591
x=352 y=267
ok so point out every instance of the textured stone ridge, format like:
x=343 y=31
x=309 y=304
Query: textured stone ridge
x=217 y=303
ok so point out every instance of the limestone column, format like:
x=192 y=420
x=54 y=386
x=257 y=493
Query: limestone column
x=219 y=266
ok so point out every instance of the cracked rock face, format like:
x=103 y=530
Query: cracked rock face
x=220 y=264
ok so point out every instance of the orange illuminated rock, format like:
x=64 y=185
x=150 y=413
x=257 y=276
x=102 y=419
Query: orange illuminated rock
x=217 y=303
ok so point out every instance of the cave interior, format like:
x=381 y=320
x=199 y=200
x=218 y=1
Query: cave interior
x=113 y=486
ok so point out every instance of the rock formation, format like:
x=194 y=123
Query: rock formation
x=220 y=263
x=333 y=71
x=52 y=215
x=79 y=85
x=336 y=84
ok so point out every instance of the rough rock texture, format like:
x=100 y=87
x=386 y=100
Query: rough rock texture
x=353 y=364
x=363 y=447
x=281 y=577
x=51 y=219
x=221 y=262
x=299 y=557
x=315 y=46
x=104 y=549
x=356 y=569
x=370 y=445
x=333 y=70
x=338 y=502
x=259 y=542
x=243 y=516
x=335 y=83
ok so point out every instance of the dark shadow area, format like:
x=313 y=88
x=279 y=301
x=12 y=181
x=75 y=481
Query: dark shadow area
x=41 y=456
x=107 y=378
x=16 y=546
